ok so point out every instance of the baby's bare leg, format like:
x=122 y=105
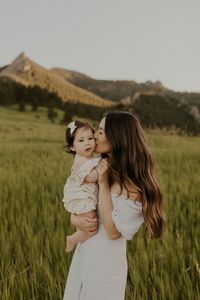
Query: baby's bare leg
x=79 y=236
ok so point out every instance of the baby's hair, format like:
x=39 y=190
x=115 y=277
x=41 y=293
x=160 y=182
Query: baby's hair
x=71 y=136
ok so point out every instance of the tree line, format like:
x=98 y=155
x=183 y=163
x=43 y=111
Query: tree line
x=14 y=93
x=154 y=111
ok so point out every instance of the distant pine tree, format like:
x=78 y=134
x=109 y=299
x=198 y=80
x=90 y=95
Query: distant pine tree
x=51 y=114
x=67 y=117
x=22 y=106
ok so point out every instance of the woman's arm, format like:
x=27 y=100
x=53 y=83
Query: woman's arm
x=85 y=223
x=105 y=201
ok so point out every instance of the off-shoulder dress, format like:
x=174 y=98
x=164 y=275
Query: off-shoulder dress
x=98 y=269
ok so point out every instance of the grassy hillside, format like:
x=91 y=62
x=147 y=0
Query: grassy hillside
x=33 y=170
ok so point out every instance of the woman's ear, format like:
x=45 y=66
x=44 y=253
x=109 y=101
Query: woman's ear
x=72 y=149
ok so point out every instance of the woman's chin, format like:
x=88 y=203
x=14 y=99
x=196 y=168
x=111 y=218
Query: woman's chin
x=97 y=149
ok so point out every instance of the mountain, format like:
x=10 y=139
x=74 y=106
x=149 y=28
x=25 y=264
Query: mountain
x=156 y=105
x=119 y=90
x=24 y=81
x=26 y=72
x=163 y=111
x=111 y=89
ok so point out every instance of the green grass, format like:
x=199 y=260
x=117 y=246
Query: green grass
x=33 y=170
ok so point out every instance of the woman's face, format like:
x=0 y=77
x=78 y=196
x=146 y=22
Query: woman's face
x=102 y=143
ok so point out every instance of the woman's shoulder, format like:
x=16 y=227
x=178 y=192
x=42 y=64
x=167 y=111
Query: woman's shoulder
x=133 y=193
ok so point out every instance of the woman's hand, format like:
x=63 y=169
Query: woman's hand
x=102 y=170
x=84 y=223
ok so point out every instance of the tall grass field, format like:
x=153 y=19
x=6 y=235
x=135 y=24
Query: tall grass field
x=33 y=222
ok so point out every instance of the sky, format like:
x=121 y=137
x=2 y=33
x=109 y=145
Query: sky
x=107 y=39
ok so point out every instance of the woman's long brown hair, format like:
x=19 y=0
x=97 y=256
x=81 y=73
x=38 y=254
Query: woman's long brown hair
x=131 y=164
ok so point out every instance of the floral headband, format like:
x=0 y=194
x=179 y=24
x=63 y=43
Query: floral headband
x=72 y=127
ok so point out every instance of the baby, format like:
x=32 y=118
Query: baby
x=81 y=189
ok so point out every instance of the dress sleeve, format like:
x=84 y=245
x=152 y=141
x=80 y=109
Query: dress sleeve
x=86 y=168
x=127 y=217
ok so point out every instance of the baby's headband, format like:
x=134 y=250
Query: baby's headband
x=72 y=127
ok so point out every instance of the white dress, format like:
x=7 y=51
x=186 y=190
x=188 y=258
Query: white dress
x=98 y=269
x=78 y=197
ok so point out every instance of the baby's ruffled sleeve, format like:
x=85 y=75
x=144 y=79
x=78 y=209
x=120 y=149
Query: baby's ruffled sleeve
x=127 y=217
x=86 y=169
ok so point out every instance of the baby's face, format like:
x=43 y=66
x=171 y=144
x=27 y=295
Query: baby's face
x=84 y=142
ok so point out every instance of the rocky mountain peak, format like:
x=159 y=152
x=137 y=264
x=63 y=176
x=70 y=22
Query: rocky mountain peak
x=19 y=65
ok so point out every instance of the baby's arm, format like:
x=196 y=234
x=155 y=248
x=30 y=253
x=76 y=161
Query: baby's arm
x=92 y=177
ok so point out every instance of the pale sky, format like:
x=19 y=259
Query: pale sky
x=107 y=39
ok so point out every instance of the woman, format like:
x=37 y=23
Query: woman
x=128 y=196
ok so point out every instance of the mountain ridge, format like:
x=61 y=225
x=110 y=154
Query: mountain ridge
x=77 y=94
x=27 y=72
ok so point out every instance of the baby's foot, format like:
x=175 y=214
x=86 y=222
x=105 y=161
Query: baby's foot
x=70 y=245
